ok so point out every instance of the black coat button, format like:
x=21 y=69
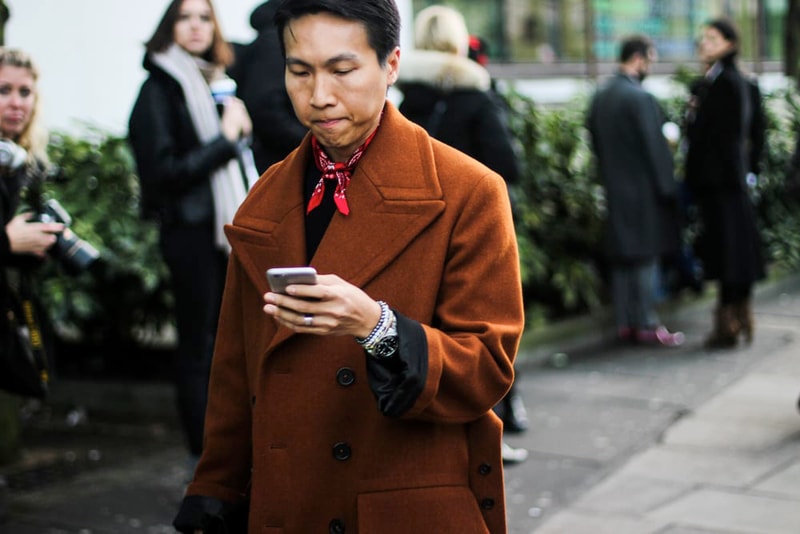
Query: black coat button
x=341 y=451
x=345 y=376
x=484 y=469
x=336 y=526
x=487 y=504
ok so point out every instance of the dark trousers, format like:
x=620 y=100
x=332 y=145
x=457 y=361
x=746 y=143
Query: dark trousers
x=197 y=268
x=633 y=294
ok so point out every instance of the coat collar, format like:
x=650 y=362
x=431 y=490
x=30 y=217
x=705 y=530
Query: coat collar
x=394 y=195
x=443 y=71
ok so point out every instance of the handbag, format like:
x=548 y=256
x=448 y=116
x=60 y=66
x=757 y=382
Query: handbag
x=23 y=361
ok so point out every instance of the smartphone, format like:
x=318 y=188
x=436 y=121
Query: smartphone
x=280 y=277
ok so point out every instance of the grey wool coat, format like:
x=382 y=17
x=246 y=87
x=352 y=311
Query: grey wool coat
x=635 y=166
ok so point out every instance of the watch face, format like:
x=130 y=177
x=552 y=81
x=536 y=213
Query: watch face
x=387 y=347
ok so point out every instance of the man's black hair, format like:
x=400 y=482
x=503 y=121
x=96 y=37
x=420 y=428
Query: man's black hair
x=380 y=18
x=631 y=46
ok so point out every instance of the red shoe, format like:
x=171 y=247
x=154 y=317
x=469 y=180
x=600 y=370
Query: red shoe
x=661 y=336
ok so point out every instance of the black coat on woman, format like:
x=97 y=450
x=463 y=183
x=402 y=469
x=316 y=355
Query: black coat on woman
x=451 y=97
x=718 y=160
x=175 y=170
x=17 y=270
x=173 y=166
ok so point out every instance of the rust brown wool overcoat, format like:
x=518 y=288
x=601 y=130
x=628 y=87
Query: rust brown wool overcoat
x=291 y=418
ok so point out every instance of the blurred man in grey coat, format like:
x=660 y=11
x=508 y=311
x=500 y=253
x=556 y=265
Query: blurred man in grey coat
x=636 y=168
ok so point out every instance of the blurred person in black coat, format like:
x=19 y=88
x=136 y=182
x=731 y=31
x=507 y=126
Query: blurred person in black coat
x=259 y=71
x=722 y=150
x=636 y=168
x=452 y=96
x=193 y=178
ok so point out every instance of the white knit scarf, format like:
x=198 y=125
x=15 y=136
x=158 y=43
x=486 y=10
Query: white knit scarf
x=229 y=185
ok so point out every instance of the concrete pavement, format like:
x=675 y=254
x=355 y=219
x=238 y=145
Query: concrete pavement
x=718 y=452
x=637 y=440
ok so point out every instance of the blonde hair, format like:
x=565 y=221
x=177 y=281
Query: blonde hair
x=441 y=28
x=33 y=137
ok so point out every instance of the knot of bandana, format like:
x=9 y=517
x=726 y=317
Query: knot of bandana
x=335 y=170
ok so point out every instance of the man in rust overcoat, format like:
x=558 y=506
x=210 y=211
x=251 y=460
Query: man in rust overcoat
x=361 y=403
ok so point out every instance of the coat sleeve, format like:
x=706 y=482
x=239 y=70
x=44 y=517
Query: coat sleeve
x=495 y=143
x=154 y=130
x=472 y=342
x=223 y=473
x=656 y=148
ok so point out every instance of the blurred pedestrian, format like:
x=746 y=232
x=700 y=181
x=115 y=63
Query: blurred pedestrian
x=449 y=95
x=362 y=402
x=720 y=155
x=188 y=159
x=636 y=168
x=258 y=70
x=24 y=244
x=452 y=97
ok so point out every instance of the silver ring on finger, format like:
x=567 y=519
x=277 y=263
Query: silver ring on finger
x=308 y=320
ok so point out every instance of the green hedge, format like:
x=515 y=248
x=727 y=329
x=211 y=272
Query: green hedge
x=559 y=214
x=126 y=293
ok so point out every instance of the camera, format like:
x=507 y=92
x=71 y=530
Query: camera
x=75 y=254
x=12 y=156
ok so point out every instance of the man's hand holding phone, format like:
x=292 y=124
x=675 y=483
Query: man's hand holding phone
x=309 y=303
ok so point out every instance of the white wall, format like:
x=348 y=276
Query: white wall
x=90 y=52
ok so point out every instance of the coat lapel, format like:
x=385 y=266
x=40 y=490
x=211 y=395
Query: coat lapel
x=394 y=195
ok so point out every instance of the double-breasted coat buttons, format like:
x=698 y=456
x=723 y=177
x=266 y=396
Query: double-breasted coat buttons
x=342 y=451
x=345 y=377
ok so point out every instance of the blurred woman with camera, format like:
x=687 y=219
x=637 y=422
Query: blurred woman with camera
x=23 y=162
x=192 y=181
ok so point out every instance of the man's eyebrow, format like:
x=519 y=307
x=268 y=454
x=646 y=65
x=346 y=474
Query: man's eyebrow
x=329 y=62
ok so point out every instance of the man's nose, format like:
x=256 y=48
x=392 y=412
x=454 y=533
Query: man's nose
x=322 y=94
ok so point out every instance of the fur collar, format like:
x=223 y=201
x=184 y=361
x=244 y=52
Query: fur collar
x=443 y=71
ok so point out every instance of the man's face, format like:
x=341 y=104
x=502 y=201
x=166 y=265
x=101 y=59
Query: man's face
x=336 y=84
x=645 y=63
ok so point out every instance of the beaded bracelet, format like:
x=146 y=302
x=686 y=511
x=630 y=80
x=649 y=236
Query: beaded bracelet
x=379 y=328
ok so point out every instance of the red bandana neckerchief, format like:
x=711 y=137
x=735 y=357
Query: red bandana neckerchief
x=335 y=170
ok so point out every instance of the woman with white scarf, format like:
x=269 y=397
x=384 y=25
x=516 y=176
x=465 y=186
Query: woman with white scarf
x=194 y=173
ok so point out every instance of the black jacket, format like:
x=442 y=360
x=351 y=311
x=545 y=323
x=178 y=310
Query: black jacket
x=259 y=73
x=174 y=167
x=450 y=96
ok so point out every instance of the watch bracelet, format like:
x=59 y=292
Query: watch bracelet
x=371 y=337
x=390 y=329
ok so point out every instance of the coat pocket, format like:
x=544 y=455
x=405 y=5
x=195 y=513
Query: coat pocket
x=441 y=509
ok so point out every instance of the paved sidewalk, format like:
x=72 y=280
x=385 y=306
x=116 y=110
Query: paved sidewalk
x=732 y=466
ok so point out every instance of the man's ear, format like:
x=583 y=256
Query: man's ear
x=393 y=66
